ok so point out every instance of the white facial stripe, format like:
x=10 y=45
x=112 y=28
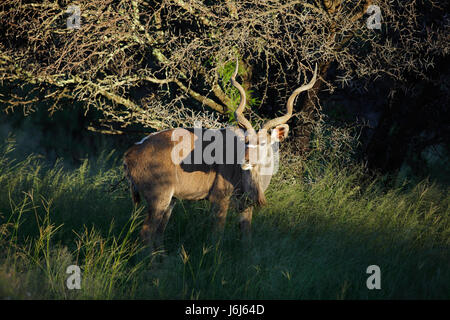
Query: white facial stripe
x=252 y=146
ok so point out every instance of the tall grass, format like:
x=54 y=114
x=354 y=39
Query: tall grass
x=324 y=225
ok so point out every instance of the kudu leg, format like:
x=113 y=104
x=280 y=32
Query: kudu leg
x=159 y=210
x=245 y=223
x=159 y=236
x=221 y=208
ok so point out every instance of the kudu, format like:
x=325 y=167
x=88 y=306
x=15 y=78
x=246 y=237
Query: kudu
x=154 y=173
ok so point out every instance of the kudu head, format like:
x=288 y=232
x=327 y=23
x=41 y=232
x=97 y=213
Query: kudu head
x=261 y=146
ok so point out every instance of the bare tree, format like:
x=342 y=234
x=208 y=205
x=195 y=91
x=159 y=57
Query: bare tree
x=160 y=63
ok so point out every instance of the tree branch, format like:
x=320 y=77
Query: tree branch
x=204 y=100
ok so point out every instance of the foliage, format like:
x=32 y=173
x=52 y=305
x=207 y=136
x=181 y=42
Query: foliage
x=148 y=62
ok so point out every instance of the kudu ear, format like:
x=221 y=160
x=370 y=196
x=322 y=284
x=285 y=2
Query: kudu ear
x=279 y=133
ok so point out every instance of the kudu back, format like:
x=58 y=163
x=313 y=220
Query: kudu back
x=169 y=165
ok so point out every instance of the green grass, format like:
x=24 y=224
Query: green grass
x=314 y=240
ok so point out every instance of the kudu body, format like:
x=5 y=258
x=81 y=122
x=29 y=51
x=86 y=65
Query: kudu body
x=155 y=174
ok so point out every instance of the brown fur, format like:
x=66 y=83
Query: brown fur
x=152 y=174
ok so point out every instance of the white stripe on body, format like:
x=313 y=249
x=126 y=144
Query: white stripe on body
x=151 y=134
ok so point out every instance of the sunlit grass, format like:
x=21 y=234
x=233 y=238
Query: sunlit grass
x=314 y=240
